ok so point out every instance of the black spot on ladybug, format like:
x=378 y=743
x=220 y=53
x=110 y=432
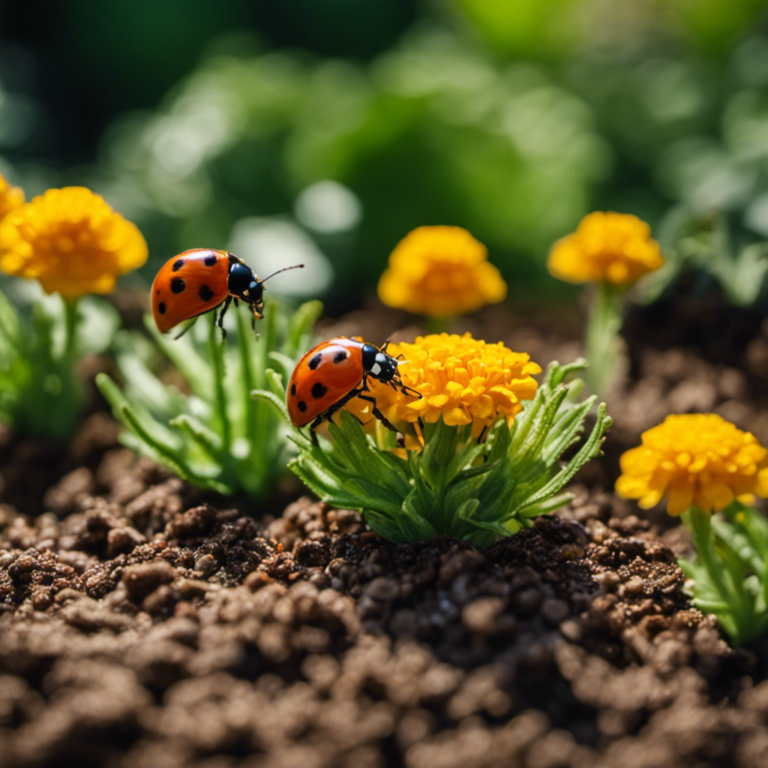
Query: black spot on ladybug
x=210 y=261
x=302 y=406
x=314 y=361
x=339 y=357
x=177 y=265
x=205 y=292
x=161 y=307
x=178 y=285
x=318 y=390
x=293 y=390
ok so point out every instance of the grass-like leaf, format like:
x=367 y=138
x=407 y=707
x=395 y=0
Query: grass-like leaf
x=216 y=435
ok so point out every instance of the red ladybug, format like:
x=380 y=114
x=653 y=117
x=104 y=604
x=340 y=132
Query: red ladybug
x=199 y=281
x=334 y=372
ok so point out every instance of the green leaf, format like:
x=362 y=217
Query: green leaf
x=565 y=432
x=184 y=355
x=232 y=433
x=590 y=449
x=206 y=438
x=276 y=402
x=413 y=524
x=302 y=322
x=385 y=526
x=545 y=507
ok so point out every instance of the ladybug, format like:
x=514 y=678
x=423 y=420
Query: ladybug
x=200 y=280
x=334 y=372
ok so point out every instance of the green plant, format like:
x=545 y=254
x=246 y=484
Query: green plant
x=40 y=393
x=729 y=577
x=703 y=464
x=216 y=436
x=705 y=246
x=477 y=491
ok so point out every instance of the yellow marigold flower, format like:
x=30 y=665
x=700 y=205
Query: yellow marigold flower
x=606 y=247
x=440 y=271
x=694 y=459
x=10 y=197
x=71 y=241
x=464 y=380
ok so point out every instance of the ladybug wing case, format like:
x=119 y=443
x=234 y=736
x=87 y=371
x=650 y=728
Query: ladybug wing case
x=322 y=377
x=190 y=290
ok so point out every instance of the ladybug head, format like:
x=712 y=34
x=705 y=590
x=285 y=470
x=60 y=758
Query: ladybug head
x=379 y=364
x=244 y=285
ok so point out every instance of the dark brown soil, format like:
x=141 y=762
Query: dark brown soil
x=140 y=626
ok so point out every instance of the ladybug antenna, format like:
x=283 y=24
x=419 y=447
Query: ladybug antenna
x=284 y=269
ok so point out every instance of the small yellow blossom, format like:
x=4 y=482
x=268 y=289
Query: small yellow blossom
x=464 y=380
x=10 y=197
x=71 y=241
x=699 y=460
x=440 y=271
x=606 y=247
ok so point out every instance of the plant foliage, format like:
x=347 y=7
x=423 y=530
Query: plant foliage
x=216 y=436
x=729 y=577
x=40 y=394
x=455 y=486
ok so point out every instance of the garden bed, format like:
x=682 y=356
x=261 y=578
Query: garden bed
x=145 y=624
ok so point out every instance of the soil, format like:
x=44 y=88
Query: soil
x=142 y=624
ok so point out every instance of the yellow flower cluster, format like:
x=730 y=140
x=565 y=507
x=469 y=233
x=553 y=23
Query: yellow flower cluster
x=464 y=380
x=71 y=241
x=606 y=247
x=10 y=197
x=699 y=460
x=440 y=271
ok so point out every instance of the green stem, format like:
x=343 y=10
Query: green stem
x=440 y=324
x=601 y=338
x=216 y=350
x=69 y=352
x=739 y=615
x=249 y=376
x=700 y=525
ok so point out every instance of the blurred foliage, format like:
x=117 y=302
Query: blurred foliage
x=42 y=338
x=510 y=119
x=555 y=28
x=429 y=133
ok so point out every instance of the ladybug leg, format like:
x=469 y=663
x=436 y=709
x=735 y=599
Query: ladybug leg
x=376 y=412
x=398 y=386
x=313 y=426
x=326 y=414
x=220 y=321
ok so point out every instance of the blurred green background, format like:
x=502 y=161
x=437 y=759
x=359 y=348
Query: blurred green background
x=324 y=130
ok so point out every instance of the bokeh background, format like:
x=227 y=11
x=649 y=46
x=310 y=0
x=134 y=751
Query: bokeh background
x=324 y=130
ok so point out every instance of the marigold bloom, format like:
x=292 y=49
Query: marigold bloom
x=440 y=271
x=606 y=247
x=464 y=380
x=694 y=459
x=71 y=241
x=10 y=197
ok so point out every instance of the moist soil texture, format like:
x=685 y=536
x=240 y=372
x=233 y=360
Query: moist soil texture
x=144 y=624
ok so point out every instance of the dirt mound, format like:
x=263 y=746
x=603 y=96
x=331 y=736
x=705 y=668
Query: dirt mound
x=140 y=627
